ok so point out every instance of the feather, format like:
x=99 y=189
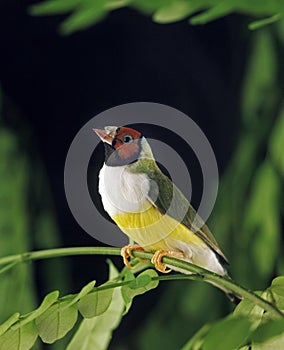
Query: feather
x=168 y=199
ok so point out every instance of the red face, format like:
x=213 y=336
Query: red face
x=127 y=142
x=122 y=145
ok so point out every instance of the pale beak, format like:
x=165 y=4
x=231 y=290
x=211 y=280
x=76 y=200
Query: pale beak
x=105 y=135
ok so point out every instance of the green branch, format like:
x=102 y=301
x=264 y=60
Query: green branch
x=58 y=252
x=200 y=273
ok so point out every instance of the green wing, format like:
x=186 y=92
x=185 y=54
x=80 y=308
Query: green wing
x=169 y=199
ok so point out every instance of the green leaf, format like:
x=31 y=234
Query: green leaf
x=196 y=341
x=129 y=276
x=265 y=21
x=250 y=310
x=277 y=285
x=84 y=17
x=54 y=7
x=280 y=31
x=84 y=291
x=140 y=285
x=267 y=331
x=7 y=324
x=17 y=290
x=140 y=282
x=57 y=321
x=228 y=334
x=96 y=333
x=275 y=343
x=276 y=143
x=22 y=338
x=149 y=6
x=96 y=303
x=264 y=199
x=50 y=299
x=173 y=12
x=277 y=290
x=260 y=79
x=218 y=11
x=278 y=300
x=115 y=4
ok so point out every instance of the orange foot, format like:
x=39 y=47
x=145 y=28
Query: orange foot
x=158 y=256
x=126 y=252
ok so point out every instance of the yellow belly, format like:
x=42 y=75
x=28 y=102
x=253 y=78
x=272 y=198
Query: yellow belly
x=154 y=231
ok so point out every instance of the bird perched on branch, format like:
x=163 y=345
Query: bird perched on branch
x=149 y=208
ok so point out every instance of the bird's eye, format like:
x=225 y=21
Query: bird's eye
x=127 y=139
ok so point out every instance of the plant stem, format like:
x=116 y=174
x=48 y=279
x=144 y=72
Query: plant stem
x=59 y=252
x=200 y=273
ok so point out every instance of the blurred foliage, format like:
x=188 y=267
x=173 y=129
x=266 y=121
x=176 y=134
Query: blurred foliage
x=27 y=221
x=249 y=199
x=17 y=288
x=85 y=13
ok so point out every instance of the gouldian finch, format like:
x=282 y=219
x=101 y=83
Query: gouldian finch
x=149 y=208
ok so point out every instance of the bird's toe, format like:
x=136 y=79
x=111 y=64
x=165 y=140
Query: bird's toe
x=126 y=253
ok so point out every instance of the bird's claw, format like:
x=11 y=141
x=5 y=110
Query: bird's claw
x=158 y=256
x=126 y=253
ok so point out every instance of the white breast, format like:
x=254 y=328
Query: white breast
x=122 y=191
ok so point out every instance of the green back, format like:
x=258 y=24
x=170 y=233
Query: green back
x=170 y=200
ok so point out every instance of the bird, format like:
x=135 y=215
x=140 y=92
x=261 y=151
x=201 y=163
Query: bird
x=150 y=209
